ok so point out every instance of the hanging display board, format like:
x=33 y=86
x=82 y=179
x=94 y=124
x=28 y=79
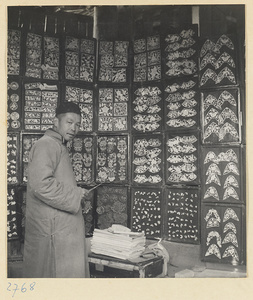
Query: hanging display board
x=181 y=52
x=222 y=174
x=147 y=211
x=14 y=108
x=13 y=159
x=147 y=59
x=147 y=155
x=84 y=97
x=182 y=214
x=14 y=52
x=221 y=122
x=112 y=159
x=182 y=102
x=113 y=109
x=222 y=233
x=147 y=108
x=40 y=102
x=182 y=158
x=218 y=63
x=82 y=156
x=113 y=64
x=112 y=206
x=80 y=59
x=13 y=226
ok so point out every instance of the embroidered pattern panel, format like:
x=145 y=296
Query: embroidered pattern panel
x=12 y=158
x=181 y=104
x=113 y=109
x=14 y=50
x=222 y=174
x=181 y=53
x=27 y=142
x=182 y=158
x=146 y=211
x=40 y=102
x=80 y=59
x=50 y=68
x=147 y=59
x=12 y=219
x=147 y=167
x=220 y=116
x=147 y=109
x=113 y=61
x=14 y=120
x=218 y=66
x=82 y=156
x=112 y=159
x=182 y=215
x=222 y=234
x=33 y=55
x=111 y=206
x=84 y=97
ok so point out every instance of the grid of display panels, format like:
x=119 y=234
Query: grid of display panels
x=14 y=104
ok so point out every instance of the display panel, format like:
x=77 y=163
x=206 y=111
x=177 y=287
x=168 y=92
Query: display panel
x=13 y=159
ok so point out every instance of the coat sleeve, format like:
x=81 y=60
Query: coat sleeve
x=44 y=159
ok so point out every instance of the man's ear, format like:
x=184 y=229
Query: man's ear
x=56 y=122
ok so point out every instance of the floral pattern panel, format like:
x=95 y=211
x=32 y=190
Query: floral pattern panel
x=147 y=109
x=40 y=102
x=14 y=107
x=33 y=63
x=147 y=59
x=218 y=65
x=111 y=206
x=181 y=57
x=113 y=61
x=27 y=142
x=181 y=104
x=147 y=167
x=222 y=174
x=182 y=220
x=51 y=50
x=12 y=158
x=222 y=239
x=112 y=159
x=146 y=211
x=220 y=116
x=84 y=97
x=81 y=150
x=12 y=214
x=14 y=51
x=113 y=109
x=182 y=158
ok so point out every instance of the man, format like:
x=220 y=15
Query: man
x=54 y=231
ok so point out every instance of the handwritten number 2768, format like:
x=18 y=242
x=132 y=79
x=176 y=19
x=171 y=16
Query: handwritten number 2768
x=23 y=289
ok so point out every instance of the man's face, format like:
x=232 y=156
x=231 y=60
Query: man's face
x=68 y=125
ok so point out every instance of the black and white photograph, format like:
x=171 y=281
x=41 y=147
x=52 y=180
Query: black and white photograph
x=126 y=148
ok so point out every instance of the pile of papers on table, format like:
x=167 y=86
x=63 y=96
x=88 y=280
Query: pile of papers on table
x=118 y=241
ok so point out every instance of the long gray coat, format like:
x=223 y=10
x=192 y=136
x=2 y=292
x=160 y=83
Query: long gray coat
x=54 y=231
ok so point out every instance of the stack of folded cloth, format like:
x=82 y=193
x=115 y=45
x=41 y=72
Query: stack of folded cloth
x=118 y=241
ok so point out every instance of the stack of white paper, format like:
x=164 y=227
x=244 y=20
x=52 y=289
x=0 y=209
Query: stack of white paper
x=119 y=244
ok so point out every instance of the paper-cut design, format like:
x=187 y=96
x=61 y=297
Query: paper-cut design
x=231 y=181
x=230 y=192
x=213 y=250
x=231 y=168
x=211 y=235
x=211 y=192
x=230 y=238
x=229 y=226
x=230 y=214
x=231 y=251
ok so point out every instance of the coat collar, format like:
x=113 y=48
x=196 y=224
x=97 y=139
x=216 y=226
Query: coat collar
x=56 y=135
